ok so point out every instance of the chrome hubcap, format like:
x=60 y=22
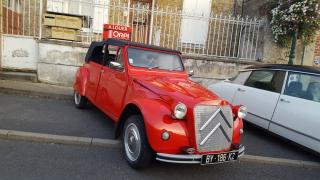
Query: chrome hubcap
x=77 y=98
x=132 y=142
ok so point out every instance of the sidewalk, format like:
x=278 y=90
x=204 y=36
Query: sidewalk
x=36 y=89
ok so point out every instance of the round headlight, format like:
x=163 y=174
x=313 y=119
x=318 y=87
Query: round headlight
x=180 y=111
x=242 y=112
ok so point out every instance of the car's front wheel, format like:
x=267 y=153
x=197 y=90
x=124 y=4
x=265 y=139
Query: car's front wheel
x=80 y=101
x=135 y=143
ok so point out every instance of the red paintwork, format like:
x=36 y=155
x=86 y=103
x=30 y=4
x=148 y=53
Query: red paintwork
x=155 y=93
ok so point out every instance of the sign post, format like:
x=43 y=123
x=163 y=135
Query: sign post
x=116 y=31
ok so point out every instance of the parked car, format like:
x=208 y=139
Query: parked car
x=283 y=99
x=158 y=112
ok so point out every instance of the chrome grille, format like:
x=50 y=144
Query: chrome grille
x=214 y=127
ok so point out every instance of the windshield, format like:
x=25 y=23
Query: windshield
x=154 y=60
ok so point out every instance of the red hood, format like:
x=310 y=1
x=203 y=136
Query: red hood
x=174 y=89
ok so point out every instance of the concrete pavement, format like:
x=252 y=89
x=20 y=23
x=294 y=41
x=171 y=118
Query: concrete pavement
x=36 y=89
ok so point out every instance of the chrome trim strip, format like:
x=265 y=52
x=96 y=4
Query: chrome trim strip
x=210 y=119
x=262 y=118
x=190 y=159
x=180 y=156
x=298 y=132
x=241 y=151
x=179 y=162
x=210 y=134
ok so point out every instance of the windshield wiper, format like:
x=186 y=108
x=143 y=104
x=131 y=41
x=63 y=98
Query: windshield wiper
x=176 y=68
x=154 y=67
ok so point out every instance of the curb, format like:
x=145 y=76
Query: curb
x=36 y=94
x=97 y=142
x=280 y=161
x=57 y=139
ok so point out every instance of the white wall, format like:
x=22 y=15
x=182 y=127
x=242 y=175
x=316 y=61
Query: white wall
x=19 y=52
x=189 y=25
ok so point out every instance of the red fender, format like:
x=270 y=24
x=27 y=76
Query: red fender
x=155 y=127
x=81 y=80
x=238 y=124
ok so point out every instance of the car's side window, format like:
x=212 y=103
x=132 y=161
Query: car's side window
x=119 y=58
x=241 y=78
x=97 y=55
x=266 y=80
x=305 y=86
x=118 y=63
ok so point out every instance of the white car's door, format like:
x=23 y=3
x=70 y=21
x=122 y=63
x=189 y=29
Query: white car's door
x=260 y=93
x=226 y=89
x=297 y=116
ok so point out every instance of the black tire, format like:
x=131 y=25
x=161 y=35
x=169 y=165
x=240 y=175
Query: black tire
x=80 y=101
x=145 y=155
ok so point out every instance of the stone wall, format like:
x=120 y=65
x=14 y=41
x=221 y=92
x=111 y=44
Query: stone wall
x=211 y=70
x=58 y=62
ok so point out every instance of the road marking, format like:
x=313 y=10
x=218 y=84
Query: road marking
x=96 y=142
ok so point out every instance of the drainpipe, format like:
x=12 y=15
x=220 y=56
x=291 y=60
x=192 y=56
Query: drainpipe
x=1 y=21
x=40 y=18
x=303 y=53
x=292 y=55
x=151 y=22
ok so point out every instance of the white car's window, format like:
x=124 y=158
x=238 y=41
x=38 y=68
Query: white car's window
x=303 y=86
x=242 y=77
x=266 y=80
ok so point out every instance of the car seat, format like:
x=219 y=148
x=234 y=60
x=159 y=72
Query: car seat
x=294 y=89
x=313 y=86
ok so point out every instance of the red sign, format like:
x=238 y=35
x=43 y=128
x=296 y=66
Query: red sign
x=116 y=31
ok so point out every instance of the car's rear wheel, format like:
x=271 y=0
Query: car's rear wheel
x=80 y=101
x=135 y=143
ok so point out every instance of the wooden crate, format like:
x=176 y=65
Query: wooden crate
x=69 y=34
x=60 y=21
x=57 y=33
x=73 y=22
x=49 y=20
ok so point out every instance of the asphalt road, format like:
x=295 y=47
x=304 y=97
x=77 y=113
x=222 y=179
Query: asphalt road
x=52 y=116
x=62 y=118
x=26 y=160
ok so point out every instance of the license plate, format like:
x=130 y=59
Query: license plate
x=218 y=158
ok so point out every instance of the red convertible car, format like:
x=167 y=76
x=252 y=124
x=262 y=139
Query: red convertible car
x=159 y=113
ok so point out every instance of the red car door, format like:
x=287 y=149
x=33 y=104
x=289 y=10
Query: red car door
x=113 y=86
x=94 y=67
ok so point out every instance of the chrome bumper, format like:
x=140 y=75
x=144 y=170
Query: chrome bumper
x=187 y=159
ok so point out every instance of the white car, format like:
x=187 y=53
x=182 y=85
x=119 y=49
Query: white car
x=280 y=98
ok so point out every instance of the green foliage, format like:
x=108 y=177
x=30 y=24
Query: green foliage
x=302 y=16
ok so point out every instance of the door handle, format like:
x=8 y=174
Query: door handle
x=285 y=101
x=241 y=90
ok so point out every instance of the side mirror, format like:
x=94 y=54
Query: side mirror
x=116 y=66
x=191 y=73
